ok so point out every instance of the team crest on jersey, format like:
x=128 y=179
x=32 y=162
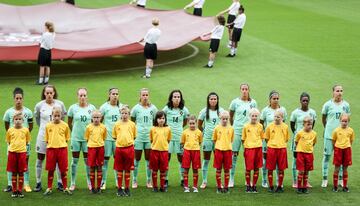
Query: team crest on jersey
x=89 y=111
x=344 y=108
x=181 y=113
x=151 y=112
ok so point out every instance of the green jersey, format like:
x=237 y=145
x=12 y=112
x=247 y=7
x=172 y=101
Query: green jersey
x=175 y=119
x=241 y=113
x=144 y=117
x=111 y=114
x=298 y=115
x=81 y=117
x=27 y=113
x=267 y=115
x=210 y=123
x=333 y=111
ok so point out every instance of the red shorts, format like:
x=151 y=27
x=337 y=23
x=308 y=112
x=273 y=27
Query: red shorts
x=124 y=158
x=276 y=157
x=253 y=158
x=159 y=160
x=223 y=159
x=95 y=156
x=342 y=157
x=59 y=156
x=16 y=162
x=191 y=157
x=304 y=161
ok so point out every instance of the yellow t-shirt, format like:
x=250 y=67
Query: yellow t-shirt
x=17 y=139
x=124 y=133
x=95 y=135
x=191 y=139
x=343 y=137
x=305 y=141
x=252 y=135
x=159 y=138
x=223 y=137
x=57 y=135
x=277 y=135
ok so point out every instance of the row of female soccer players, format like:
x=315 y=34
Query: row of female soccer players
x=79 y=116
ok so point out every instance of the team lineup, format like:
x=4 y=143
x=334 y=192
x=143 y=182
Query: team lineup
x=115 y=130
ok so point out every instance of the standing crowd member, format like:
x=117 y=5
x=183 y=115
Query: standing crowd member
x=239 y=116
x=160 y=136
x=297 y=124
x=143 y=115
x=252 y=137
x=191 y=140
x=18 y=95
x=232 y=12
x=95 y=135
x=198 y=5
x=43 y=114
x=216 y=35
x=331 y=112
x=176 y=116
x=57 y=135
x=343 y=137
x=124 y=133
x=150 y=50
x=207 y=121
x=17 y=138
x=79 y=116
x=276 y=136
x=238 y=25
x=305 y=141
x=44 y=58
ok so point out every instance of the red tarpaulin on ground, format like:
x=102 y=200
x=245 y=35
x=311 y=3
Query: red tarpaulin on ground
x=84 y=33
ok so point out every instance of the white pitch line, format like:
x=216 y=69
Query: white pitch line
x=195 y=52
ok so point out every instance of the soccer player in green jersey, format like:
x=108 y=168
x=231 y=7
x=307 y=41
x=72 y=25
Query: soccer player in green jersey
x=18 y=95
x=79 y=116
x=331 y=112
x=176 y=115
x=297 y=124
x=239 y=116
x=143 y=115
x=110 y=112
x=267 y=117
x=207 y=121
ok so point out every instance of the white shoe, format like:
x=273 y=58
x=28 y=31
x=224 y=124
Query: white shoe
x=324 y=183
x=149 y=185
x=186 y=190
x=103 y=186
x=308 y=185
x=294 y=185
x=231 y=183
x=264 y=185
x=72 y=188
x=195 y=189
x=134 y=185
x=203 y=185
x=341 y=183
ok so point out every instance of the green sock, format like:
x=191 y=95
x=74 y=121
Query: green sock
x=87 y=169
x=233 y=169
x=264 y=171
x=74 y=163
x=135 y=172
x=104 y=171
x=181 y=171
x=148 y=171
x=205 y=165
x=116 y=179
x=294 y=172
x=9 y=176
x=26 y=178
x=325 y=166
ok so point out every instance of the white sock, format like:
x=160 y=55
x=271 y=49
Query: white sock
x=210 y=63
x=46 y=79
x=58 y=174
x=38 y=166
x=41 y=79
x=148 y=71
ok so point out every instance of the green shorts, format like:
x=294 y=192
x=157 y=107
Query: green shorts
x=208 y=146
x=77 y=146
x=328 y=147
x=175 y=148
x=236 y=145
x=142 y=145
x=109 y=147
x=264 y=146
x=28 y=149
x=293 y=145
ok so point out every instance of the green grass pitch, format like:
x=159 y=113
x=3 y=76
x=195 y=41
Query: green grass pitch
x=288 y=45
